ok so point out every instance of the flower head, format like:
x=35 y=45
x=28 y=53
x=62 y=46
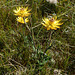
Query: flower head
x=22 y=12
x=21 y=20
x=51 y=23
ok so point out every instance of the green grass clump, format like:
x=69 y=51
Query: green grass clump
x=40 y=52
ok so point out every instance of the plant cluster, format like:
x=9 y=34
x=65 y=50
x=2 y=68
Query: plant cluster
x=37 y=37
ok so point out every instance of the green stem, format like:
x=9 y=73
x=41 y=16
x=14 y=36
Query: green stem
x=30 y=34
x=50 y=43
x=27 y=25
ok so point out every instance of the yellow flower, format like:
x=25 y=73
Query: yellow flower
x=21 y=20
x=22 y=12
x=51 y=23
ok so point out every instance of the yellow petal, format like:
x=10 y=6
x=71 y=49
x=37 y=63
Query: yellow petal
x=21 y=20
x=48 y=28
x=22 y=12
x=51 y=23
